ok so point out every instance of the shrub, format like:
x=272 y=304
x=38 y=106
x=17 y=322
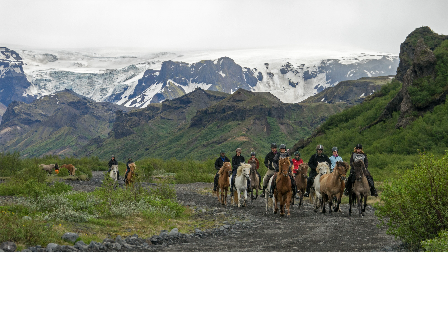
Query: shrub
x=438 y=244
x=63 y=172
x=10 y=163
x=415 y=206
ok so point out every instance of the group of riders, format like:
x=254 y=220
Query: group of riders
x=272 y=159
x=113 y=162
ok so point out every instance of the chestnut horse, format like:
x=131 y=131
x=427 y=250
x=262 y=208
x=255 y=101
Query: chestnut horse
x=301 y=179
x=283 y=189
x=333 y=184
x=130 y=177
x=360 y=189
x=254 y=180
x=224 y=182
x=71 y=168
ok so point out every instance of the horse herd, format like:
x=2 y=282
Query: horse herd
x=327 y=187
x=49 y=168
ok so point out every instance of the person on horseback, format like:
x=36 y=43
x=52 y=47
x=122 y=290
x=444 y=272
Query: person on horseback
x=357 y=155
x=297 y=161
x=111 y=163
x=127 y=168
x=268 y=161
x=253 y=158
x=334 y=158
x=280 y=155
x=314 y=160
x=237 y=160
x=218 y=165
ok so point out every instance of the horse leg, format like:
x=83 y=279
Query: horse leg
x=365 y=203
x=324 y=200
x=288 y=207
x=275 y=203
x=358 y=198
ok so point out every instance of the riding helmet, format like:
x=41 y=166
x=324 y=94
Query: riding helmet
x=319 y=147
x=273 y=145
x=222 y=152
x=252 y=154
x=238 y=150
x=283 y=146
x=358 y=146
x=334 y=149
x=297 y=153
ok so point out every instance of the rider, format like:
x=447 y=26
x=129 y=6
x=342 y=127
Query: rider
x=334 y=158
x=112 y=162
x=297 y=161
x=269 y=159
x=237 y=160
x=127 y=168
x=280 y=155
x=218 y=165
x=56 y=168
x=315 y=159
x=253 y=158
x=357 y=155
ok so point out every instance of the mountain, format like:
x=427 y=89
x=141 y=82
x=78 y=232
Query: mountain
x=14 y=85
x=136 y=81
x=56 y=124
x=408 y=115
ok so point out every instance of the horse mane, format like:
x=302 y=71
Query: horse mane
x=221 y=170
x=359 y=166
x=240 y=168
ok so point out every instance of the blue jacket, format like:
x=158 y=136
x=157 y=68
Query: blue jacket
x=333 y=160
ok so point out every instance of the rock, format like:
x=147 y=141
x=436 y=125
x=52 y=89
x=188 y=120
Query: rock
x=8 y=247
x=197 y=231
x=1 y=250
x=163 y=233
x=156 y=240
x=25 y=250
x=108 y=240
x=51 y=247
x=28 y=218
x=94 y=246
x=119 y=240
x=70 y=237
x=80 y=245
x=174 y=232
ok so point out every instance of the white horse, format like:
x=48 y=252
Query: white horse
x=114 y=172
x=242 y=175
x=270 y=202
x=315 y=195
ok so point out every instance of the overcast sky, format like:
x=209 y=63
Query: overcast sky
x=158 y=25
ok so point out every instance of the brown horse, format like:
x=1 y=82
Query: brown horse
x=254 y=180
x=71 y=168
x=130 y=177
x=360 y=188
x=224 y=182
x=283 y=189
x=332 y=185
x=301 y=179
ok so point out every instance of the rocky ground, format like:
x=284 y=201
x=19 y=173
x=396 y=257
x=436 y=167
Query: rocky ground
x=249 y=228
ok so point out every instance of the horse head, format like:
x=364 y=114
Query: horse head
x=341 y=169
x=226 y=168
x=246 y=168
x=283 y=165
x=322 y=168
x=359 y=169
x=303 y=170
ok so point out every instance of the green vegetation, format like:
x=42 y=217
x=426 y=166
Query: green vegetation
x=415 y=206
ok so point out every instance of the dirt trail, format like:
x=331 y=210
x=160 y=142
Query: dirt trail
x=251 y=229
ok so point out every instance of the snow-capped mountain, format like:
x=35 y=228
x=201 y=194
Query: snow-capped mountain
x=136 y=79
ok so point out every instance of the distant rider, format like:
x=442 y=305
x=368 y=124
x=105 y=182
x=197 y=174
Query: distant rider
x=280 y=155
x=218 y=165
x=334 y=158
x=111 y=163
x=297 y=161
x=268 y=161
x=315 y=159
x=127 y=168
x=253 y=158
x=237 y=160
x=357 y=155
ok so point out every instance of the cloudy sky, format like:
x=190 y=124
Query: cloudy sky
x=158 y=25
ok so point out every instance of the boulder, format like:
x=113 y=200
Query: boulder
x=51 y=247
x=8 y=246
x=70 y=237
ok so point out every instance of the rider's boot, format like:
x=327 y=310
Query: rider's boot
x=263 y=194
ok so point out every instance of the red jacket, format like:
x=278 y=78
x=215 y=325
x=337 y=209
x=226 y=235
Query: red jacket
x=296 y=164
x=256 y=160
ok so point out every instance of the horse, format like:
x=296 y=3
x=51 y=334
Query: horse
x=315 y=195
x=332 y=185
x=130 y=177
x=114 y=172
x=71 y=168
x=242 y=175
x=224 y=182
x=283 y=189
x=301 y=179
x=254 y=180
x=48 y=168
x=270 y=201
x=360 y=188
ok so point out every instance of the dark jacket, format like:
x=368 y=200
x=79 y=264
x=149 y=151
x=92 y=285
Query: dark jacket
x=268 y=160
x=237 y=161
x=279 y=156
x=112 y=162
x=316 y=159
x=128 y=163
x=220 y=162
x=356 y=157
